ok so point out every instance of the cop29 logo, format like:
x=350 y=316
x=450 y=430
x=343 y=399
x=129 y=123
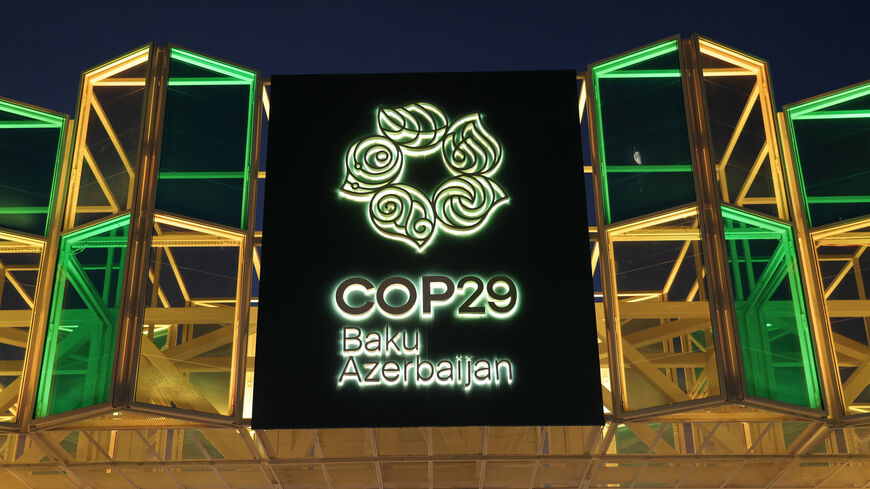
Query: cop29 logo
x=461 y=205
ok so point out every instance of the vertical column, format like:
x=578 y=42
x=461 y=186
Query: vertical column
x=827 y=139
x=32 y=151
x=151 y=298
x=83 y=321
x=197 y=273
x=88 y=298
x=657 y=305
x=776 y=355
x=702 y=284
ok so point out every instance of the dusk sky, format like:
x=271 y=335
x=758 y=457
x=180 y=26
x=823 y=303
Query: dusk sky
x=813 y=47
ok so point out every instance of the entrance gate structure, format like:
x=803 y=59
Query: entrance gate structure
x=728 y=251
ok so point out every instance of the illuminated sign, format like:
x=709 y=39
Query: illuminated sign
x=425 y=254
x=460 y=205
x=375 y=367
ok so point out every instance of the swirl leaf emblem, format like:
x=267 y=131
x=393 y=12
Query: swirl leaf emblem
x=417 y=128
x=469 y=149
x=372 y=164
x=404 y=213
x=461 y=205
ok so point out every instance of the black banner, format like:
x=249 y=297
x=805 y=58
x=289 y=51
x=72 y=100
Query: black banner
x=425 y=254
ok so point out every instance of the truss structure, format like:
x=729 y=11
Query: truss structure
x=733 y=320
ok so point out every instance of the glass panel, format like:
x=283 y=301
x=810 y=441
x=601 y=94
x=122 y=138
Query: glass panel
x=30 y=153
x=19 y=271
x=830 y=137
x=843 y=264
x=742 y=130
x=774 y=334
x=668 y=347
x=105 y=155
x=83 y=319
x=186 y=357
x=643 y=143
x=207 y=134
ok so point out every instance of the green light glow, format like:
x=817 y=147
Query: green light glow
x=801 y=110
x=53 y=120
x=838 y=199
x=212 y=65
x=55 y=181
x=774 y=333
x=23 y=210
x=27 y=125
x=616 y=69
x=460 y=205
x=636 y=57
x=79 y=346
x=641 y=74
x=834 y=114
x=797 y=162
x=100 y=228
x=249 y=150
x=236 y=77
x=203 y=81
x=752 y=219
x=44 y=180
x=813 y=110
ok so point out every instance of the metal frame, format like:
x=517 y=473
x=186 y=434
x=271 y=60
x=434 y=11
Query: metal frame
x=47 y=247
x=683 y=454
x=245 y=240
x=140 y=205
x=686 y=444
x=710 y=186
x=841 y=351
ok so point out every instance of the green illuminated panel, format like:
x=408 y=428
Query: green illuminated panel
x=830 y=142
x=774 y=333
x=642 y=74
x=31 y=146
x=643 y=143
x=83 y=319
x=207 y=137
x=203 y=81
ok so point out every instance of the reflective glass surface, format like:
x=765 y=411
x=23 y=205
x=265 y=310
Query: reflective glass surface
x=778 y=357
x=668 y=347
x=108 y=129
x=83 y=319
x=207 y=135
x=643 y=143
x=186 y=357
x=30 y=154
x=830 y=138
